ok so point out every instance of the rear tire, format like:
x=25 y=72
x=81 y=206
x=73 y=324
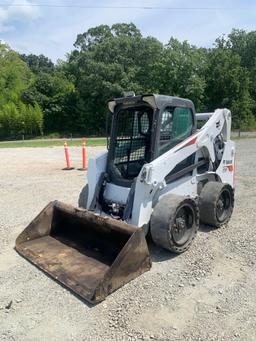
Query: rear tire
x=174 y=223
x=216 y=203
x=83 y=197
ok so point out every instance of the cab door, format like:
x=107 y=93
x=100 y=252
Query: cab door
x=176 y=124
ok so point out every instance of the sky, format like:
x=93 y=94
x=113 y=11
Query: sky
x=52 y=31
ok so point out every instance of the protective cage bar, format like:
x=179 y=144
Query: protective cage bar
x=132 y=141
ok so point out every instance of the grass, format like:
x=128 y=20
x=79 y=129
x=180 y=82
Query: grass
x=53 y=143
x=93 y=141
x=250 y=135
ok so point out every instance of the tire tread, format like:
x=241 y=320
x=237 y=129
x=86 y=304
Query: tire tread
x=208 y=203
x=163 y=215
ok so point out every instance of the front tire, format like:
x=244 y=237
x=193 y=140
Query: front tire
x=216 y=203
x=174 y=223
x=83 y=197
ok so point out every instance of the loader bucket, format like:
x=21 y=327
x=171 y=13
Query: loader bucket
x=90 y=254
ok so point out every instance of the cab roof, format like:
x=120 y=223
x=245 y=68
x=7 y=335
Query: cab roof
x=154 y=100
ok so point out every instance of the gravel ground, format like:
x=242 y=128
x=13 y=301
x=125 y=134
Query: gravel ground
x=207 y=293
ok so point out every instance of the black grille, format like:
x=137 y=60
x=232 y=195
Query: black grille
x=132 y=143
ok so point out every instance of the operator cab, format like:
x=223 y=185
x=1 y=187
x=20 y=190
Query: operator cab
x=143 y=128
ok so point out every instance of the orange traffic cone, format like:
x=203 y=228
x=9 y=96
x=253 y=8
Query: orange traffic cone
x=67 y=156
x=84 y=161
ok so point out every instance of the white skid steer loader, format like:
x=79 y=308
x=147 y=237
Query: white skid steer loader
x=160 y=174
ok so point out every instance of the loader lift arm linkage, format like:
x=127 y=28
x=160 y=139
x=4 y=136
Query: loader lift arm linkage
x=155 y=173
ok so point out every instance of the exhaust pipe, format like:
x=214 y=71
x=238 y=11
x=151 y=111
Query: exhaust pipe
x=90 y=254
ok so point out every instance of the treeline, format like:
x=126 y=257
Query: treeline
x=37 y=96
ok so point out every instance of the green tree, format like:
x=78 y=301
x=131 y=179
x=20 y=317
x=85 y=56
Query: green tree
x=228 y=86
x=107 y=61
x=243 y=44
x=38 y=64
x=15 y=77
x=183 y=71
x=55 y=94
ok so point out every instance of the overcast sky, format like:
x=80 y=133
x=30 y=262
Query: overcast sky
x=53 y=30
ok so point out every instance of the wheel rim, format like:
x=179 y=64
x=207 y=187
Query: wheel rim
x=223 y=206
x=183 y=224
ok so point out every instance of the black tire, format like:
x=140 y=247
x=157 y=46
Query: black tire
x=174 y=223
x=216 y=203
x=83 y=197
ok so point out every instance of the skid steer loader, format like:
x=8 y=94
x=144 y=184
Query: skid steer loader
x=160 y=174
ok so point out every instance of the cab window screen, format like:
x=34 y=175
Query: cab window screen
x=176 y=126
x=132 y=143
